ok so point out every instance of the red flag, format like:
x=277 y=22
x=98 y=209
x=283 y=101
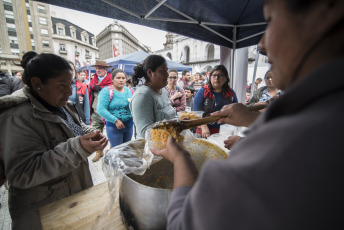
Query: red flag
x=115 y=51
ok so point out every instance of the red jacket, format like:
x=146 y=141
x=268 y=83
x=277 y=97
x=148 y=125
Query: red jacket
x=94 y=82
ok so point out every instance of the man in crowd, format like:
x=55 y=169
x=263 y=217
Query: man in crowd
x=189 y=94
x=256 y=83
x=204 y=78
x=184 y=81
x=197 y=83
x=101 y=79
x=8 y=83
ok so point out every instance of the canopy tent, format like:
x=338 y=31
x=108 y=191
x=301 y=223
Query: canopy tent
x=229 y=23
x=128 y=61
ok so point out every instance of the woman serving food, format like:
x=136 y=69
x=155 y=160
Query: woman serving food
x=295 y=180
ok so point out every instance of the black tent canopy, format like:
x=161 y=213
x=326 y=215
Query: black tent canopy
x=230 y=23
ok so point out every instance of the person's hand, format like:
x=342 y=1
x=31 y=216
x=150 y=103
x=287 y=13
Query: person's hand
x=184 y=170
x=205 y=131
x=171 y=152
x=176 y=95
x=119 y=124
x=231 y=141
x=93 y=141
x=236 y=114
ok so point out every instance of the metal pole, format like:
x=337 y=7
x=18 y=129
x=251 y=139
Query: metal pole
x=233 y=56
x=254 y=72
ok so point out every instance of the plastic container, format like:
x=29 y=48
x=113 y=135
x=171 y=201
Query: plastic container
x=187 y=134
x=192 y=115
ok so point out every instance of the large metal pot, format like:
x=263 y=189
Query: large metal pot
x=143 y=206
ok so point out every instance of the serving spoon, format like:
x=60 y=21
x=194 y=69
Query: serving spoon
x=180 y=125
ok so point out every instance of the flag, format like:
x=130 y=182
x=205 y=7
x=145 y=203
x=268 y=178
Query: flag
x=115 y=51
x=84 y=63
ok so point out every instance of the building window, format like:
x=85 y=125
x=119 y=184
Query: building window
x=44 y=32
x=60 y=31
x=62 y=47
x=45 y=44
x=14 y=46
x=210 y=53
x=41 y=9
x=43 y=21
x=10 y=20
x=187 y=54
x=72 y=31
x=7 y=7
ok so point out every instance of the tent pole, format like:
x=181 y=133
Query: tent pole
x=154 y=8
x=233 y=56
x=254 y=72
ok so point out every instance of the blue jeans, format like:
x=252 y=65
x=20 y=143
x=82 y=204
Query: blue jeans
x=119 y=136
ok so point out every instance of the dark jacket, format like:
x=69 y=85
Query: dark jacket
x=209 y=99
x=9 y=84
x=43 y=160
x=287 y=173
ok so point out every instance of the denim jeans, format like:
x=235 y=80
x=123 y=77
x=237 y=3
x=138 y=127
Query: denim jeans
x=119 y=136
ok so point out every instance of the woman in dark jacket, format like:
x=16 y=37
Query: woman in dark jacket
x=50 y=162
x=213 y=97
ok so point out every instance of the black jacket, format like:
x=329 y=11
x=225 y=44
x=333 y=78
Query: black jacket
x=9 y=84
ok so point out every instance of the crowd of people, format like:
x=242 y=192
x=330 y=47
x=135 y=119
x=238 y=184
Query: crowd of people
x=285 y=184
x=63 y=117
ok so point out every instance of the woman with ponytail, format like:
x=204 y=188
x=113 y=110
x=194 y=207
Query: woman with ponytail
x=150 y=102
x=45 y=143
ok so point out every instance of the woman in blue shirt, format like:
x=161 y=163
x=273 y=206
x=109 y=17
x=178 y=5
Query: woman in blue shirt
x=213 y=97
x=113 y=106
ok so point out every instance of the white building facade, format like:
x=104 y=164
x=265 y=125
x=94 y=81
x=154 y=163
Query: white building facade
x=73 y=43
x=115 y=39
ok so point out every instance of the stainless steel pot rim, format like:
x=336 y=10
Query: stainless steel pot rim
x=137 y=183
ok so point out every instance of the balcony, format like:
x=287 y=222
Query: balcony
x=88 y=56
x=63 y=51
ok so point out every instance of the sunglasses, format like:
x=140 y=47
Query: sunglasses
x=172 y=78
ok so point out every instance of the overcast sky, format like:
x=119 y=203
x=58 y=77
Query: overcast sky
x=95 y=24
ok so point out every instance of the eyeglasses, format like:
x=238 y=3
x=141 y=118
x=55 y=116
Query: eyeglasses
x=172 y=78
x=217 y=75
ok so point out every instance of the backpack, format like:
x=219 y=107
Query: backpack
x=111 y=92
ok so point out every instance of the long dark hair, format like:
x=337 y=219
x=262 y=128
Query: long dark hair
x=223 y=69
x=140 y=70
x=44 y=66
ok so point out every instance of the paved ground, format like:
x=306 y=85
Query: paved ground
x=5 y=219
